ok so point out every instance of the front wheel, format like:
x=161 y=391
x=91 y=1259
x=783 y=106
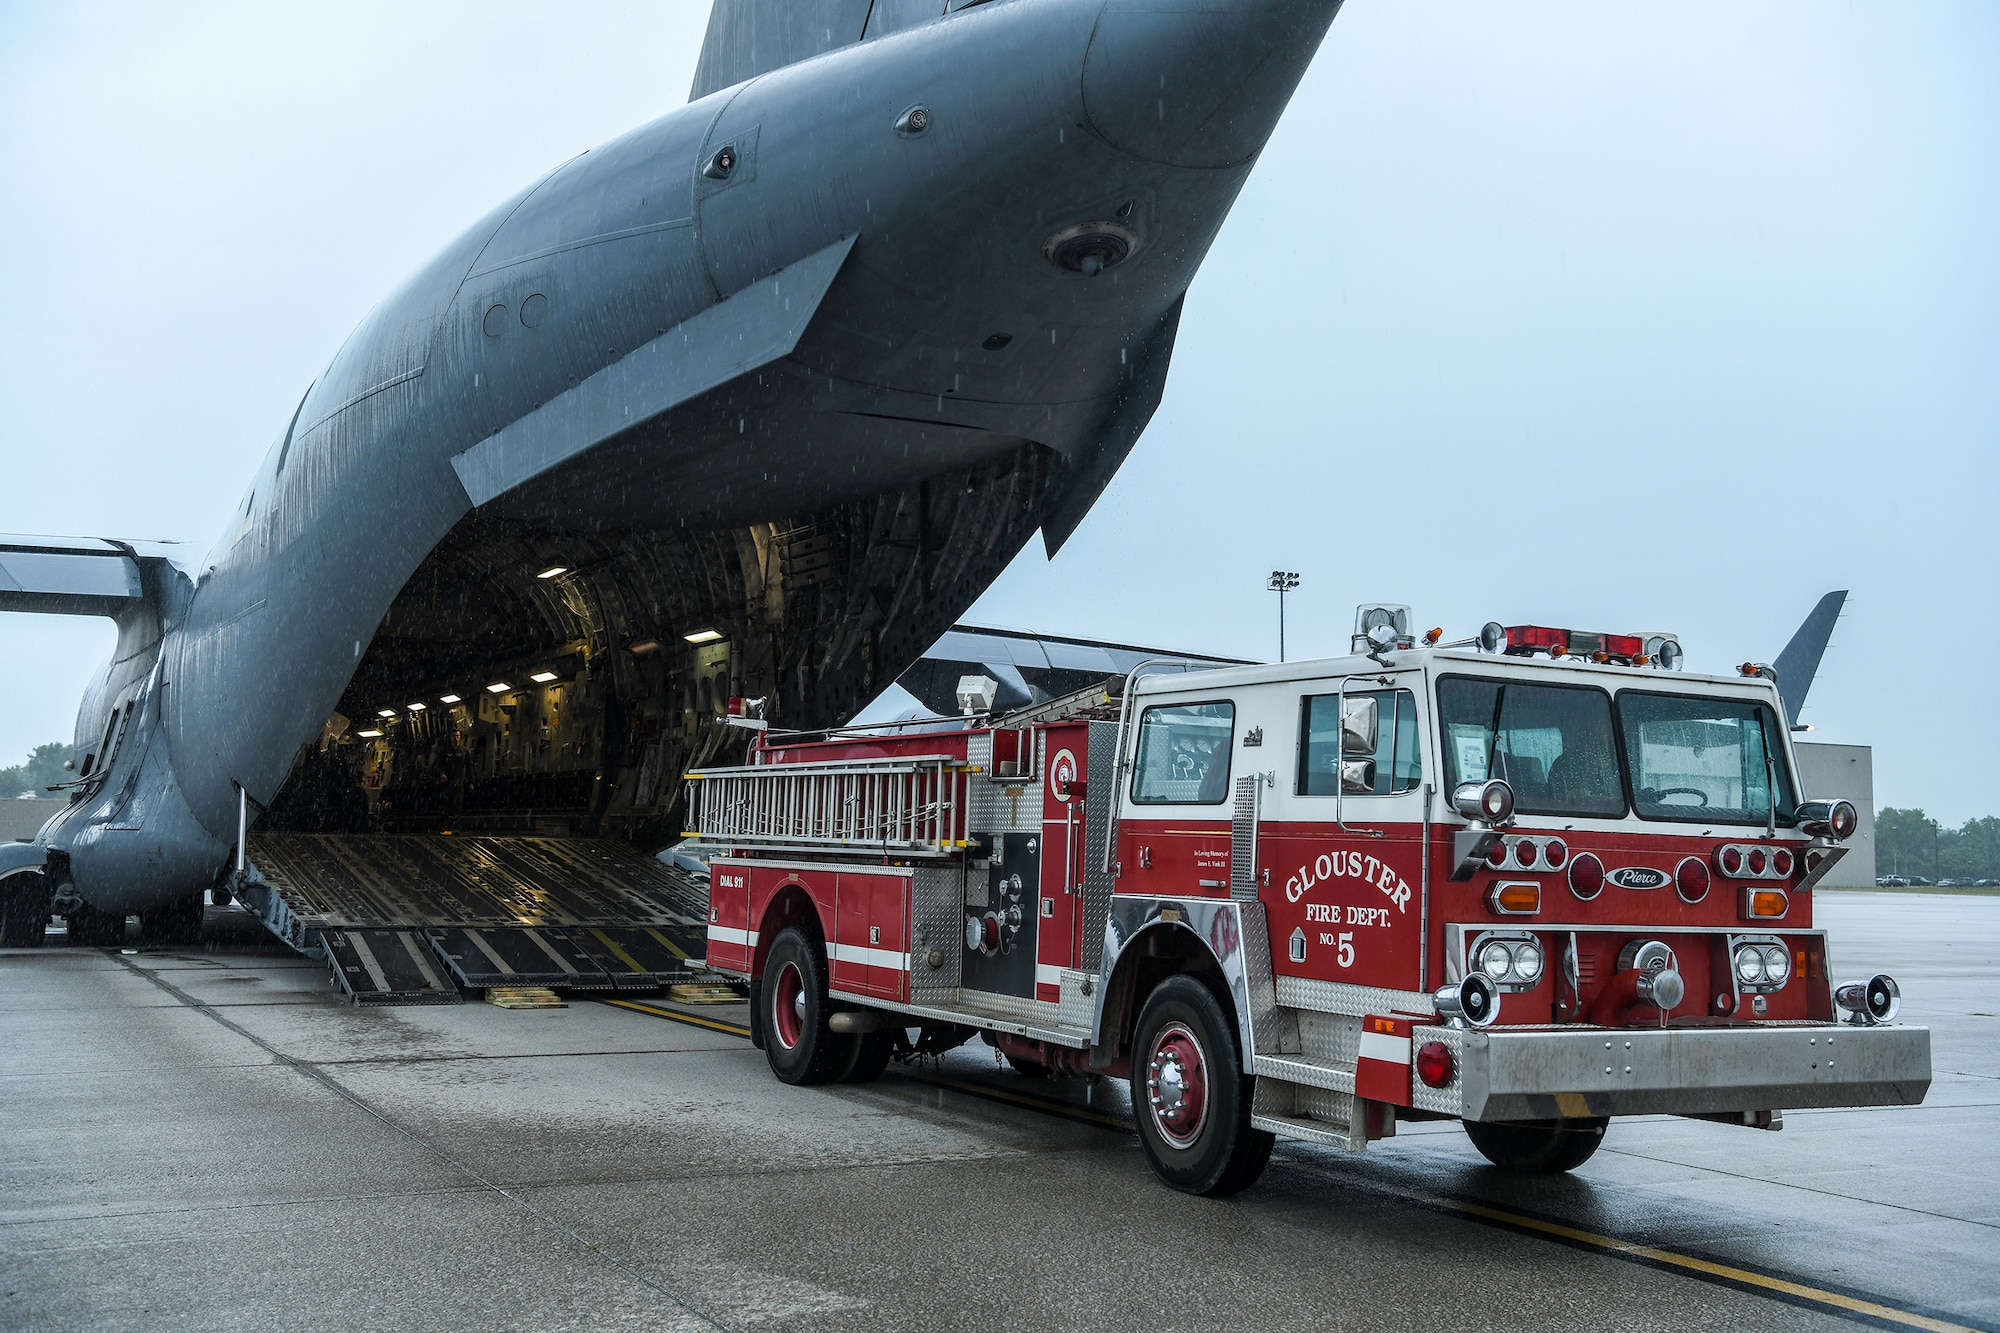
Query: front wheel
x=1190 y=1097
x=1538 y=1147
x=797 y=1041
x=24 y=910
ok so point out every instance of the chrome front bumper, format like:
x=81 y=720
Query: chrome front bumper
x=1544 y=1073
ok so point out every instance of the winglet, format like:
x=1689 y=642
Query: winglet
x=1799 y=663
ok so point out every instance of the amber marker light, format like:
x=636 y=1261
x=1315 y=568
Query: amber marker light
x=1762 y=903
x=1431 y=636
x=1516 y=898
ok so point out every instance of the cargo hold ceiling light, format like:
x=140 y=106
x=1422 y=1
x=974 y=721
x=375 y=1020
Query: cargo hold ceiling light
x=416 y=708
x=643 y=647
x=385 y=712
x=703 y=636
x=449 y=699
x=542 y=677
x=370 y=734
x=553 y=571
x=498 y=687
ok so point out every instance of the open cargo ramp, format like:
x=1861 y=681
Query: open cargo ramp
x=408 y=918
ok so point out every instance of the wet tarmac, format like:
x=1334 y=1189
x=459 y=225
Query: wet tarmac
x=207 y=1139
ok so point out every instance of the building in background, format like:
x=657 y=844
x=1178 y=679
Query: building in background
x=1844 y=771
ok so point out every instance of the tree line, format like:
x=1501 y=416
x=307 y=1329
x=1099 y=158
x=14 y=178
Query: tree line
x=43 y=770
x=1910 y=842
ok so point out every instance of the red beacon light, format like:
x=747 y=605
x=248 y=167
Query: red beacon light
x=1527 y=640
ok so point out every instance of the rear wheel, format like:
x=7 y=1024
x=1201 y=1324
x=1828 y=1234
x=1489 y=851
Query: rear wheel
x=797 y=1041
x=24 y=910
x=1538 y=1147
x=1190 y=1097
x=872 y=1053
x=90 y=928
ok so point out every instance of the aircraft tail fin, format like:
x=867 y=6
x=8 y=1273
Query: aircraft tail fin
x=747 y=37
x=1799 y=663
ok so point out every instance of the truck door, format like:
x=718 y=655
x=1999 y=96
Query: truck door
x=1345 y=849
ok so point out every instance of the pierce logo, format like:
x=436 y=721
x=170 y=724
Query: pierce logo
x=1638 y=877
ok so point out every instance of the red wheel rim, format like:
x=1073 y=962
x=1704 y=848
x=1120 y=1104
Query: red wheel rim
x=788 y=1006
x=1177 y=1085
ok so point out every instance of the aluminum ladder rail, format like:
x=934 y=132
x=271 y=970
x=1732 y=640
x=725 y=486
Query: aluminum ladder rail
x=914 y=806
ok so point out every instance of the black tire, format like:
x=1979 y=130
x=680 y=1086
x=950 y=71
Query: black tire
x=178 y=923
x=1537 y=1147
x=24 y=910
x=797 y=1042
x=871 y=1055
x=1198 y=1138
x=90 y=928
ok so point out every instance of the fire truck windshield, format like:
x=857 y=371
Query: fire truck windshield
x=1706 y=760
x=1552 y=743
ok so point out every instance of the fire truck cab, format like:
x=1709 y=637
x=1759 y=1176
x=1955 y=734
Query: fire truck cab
x=1530 y=881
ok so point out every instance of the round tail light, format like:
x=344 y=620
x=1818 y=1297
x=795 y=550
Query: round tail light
x=1434 y=1064
x=1729 y=861
x=1498 y=856
x=1781 y=863
x=1555 y=853
x=1756 y=860
x=1524 y=853
x=1845 y=820
x=1691 y=879
x=1586 y=876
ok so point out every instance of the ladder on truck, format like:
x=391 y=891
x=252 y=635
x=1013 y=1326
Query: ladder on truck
x=910 y=805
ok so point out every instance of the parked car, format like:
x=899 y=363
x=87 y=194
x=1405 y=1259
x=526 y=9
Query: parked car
x=1891 y=882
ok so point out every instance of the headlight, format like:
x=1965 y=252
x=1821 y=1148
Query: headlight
x=1495 y=959
x=1777 y=965
x=1750 y=965
x=1527 y=962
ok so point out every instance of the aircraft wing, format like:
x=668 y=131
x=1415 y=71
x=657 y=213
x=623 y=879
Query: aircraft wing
x=68 y=576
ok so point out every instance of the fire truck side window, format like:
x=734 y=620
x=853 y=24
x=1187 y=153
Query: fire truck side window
x=1708 y=760
x=1552 y=743
x=1398 y=766
x=1183 y=754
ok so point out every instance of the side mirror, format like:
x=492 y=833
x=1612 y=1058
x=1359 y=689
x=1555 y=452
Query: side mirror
x=1357 y=776
x=1359 y=727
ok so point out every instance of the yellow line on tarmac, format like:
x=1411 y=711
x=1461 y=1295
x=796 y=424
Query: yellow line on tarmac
x=691 y=1020
x=1689 y=1263
x=1708 y=1267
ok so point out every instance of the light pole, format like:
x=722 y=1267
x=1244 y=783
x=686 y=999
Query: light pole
x=1282 y=582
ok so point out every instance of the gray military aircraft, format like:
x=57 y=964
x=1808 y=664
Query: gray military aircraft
x=751 y=401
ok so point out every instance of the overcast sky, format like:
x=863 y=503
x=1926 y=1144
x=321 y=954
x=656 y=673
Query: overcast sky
x=1611 y=316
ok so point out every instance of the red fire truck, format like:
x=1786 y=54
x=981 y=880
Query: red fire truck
x=1530 y=881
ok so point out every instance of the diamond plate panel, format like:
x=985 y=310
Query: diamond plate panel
x=1077 y=1008
x=1337 y=997
x=1100 y=787
x=937 y=921
x=1330 y=1039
